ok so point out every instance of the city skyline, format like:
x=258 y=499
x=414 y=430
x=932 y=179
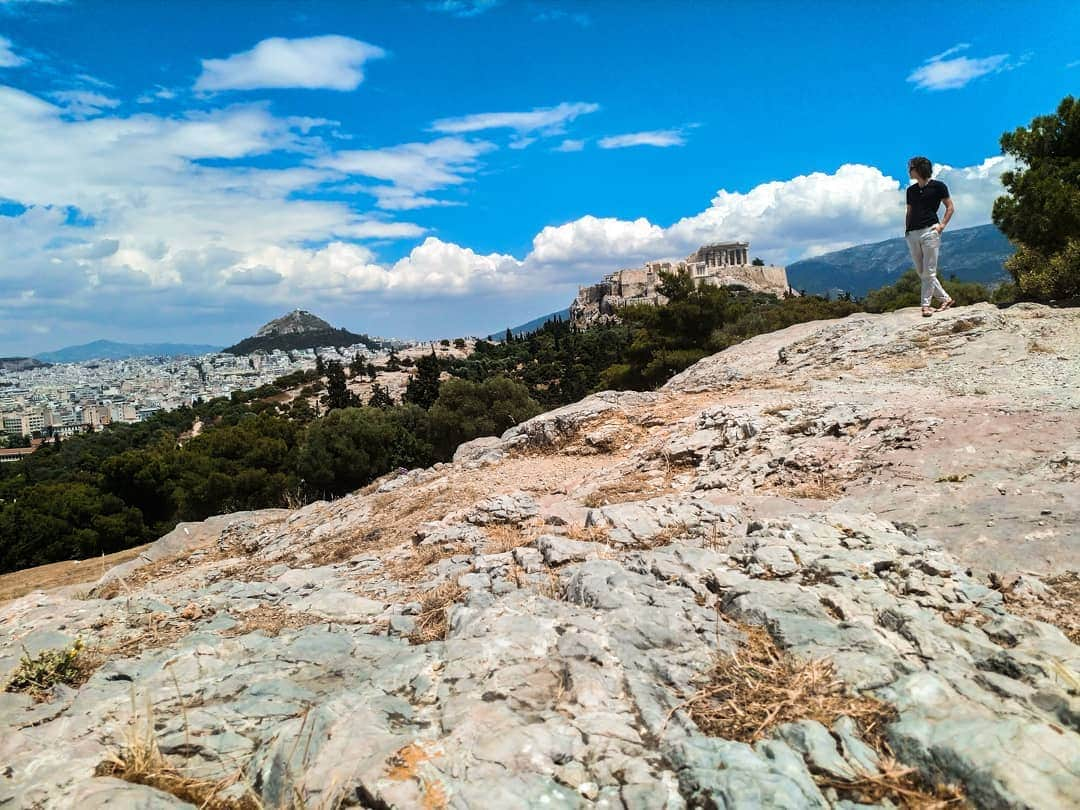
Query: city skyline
x=432 y=169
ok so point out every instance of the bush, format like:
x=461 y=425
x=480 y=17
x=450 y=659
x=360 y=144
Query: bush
x=351 y=447
x=1041 y=277
x=906 y=292
x=40 y=673
x=466 y=410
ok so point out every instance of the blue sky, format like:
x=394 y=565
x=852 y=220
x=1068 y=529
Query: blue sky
x=187 y=171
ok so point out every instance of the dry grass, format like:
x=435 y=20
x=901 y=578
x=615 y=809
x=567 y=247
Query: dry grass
x=433 y=622
x=503 y=538
x=589 y=534
x=414 y=566
x=637 y=486
x=817 y=486
x=70 y=572
x=141 y=762
x=271 y=620
x=1060 y=607
x=1037 y=347
x=748 y=694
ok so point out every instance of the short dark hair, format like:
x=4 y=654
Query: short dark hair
x=922 y=166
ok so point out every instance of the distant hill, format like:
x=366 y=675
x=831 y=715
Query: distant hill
x=111 y=350
x=532 y=325
x=20 y=363
x=299 y=330
x=971 y=254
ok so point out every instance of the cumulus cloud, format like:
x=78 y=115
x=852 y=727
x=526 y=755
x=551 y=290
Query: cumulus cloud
x=657 y=137
x=545 y=120
x=785 y=219
x=570 y=145
x=8 y=57
x=411 y=170
x=946 y=71
x=156 y=222
x=84 y=103
x=326 y=62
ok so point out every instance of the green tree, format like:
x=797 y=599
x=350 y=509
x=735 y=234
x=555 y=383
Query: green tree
x=380 y=397
x=349 y=449
x=1041 y=210
x=466 y=410
x=757 y=262
x=357 y=366
x=338 y=394
x=423 y=387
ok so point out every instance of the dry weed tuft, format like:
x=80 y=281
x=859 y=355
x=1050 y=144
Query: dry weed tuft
x=271 y=620
x=141 y=762
x=589 y=534
x=413 y=567
x=637 y=486
x=432 y=623
x=1038 y=347
x=503 y=538
x=747 y=694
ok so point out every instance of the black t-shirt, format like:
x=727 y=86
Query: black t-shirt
x=924 y=202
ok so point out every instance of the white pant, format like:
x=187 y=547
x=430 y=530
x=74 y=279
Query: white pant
x=924 y=245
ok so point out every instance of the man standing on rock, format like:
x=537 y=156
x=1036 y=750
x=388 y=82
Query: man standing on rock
x=924 y=197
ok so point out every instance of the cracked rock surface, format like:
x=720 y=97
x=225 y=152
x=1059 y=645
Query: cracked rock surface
x=524 y=626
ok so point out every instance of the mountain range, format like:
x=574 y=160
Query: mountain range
x=971 y=254
x=111 y=350
x=532 y=325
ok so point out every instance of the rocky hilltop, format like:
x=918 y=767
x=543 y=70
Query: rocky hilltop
x=623 y=603
x=294 y=323
x=299 y=329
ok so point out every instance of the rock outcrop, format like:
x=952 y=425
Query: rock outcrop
x=527 y=626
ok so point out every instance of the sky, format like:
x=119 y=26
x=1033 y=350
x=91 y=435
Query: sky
x=187 y=171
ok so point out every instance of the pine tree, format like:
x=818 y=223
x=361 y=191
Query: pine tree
x=423 y=389
x=338 y=394
x=380 y=397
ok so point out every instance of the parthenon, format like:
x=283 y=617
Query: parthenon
x=721 y=263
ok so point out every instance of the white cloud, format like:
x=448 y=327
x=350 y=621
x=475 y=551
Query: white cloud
x=84 y=103
x=124 y=225
x=411 y=169
x=159 y=93
x=657 y=137
x=327 y=62
x=8 y=57
x=939 y=72
x=570 y=145
x=463 y=8
x=545 y=120
x=785 y=220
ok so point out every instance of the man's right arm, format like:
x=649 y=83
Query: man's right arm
x=907 y=217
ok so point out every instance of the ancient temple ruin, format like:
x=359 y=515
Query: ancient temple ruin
x=720 y=263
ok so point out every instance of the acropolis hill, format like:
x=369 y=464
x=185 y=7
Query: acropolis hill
x=720 y=263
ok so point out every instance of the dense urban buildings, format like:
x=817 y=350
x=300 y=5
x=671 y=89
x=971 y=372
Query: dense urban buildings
x=68 y=398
